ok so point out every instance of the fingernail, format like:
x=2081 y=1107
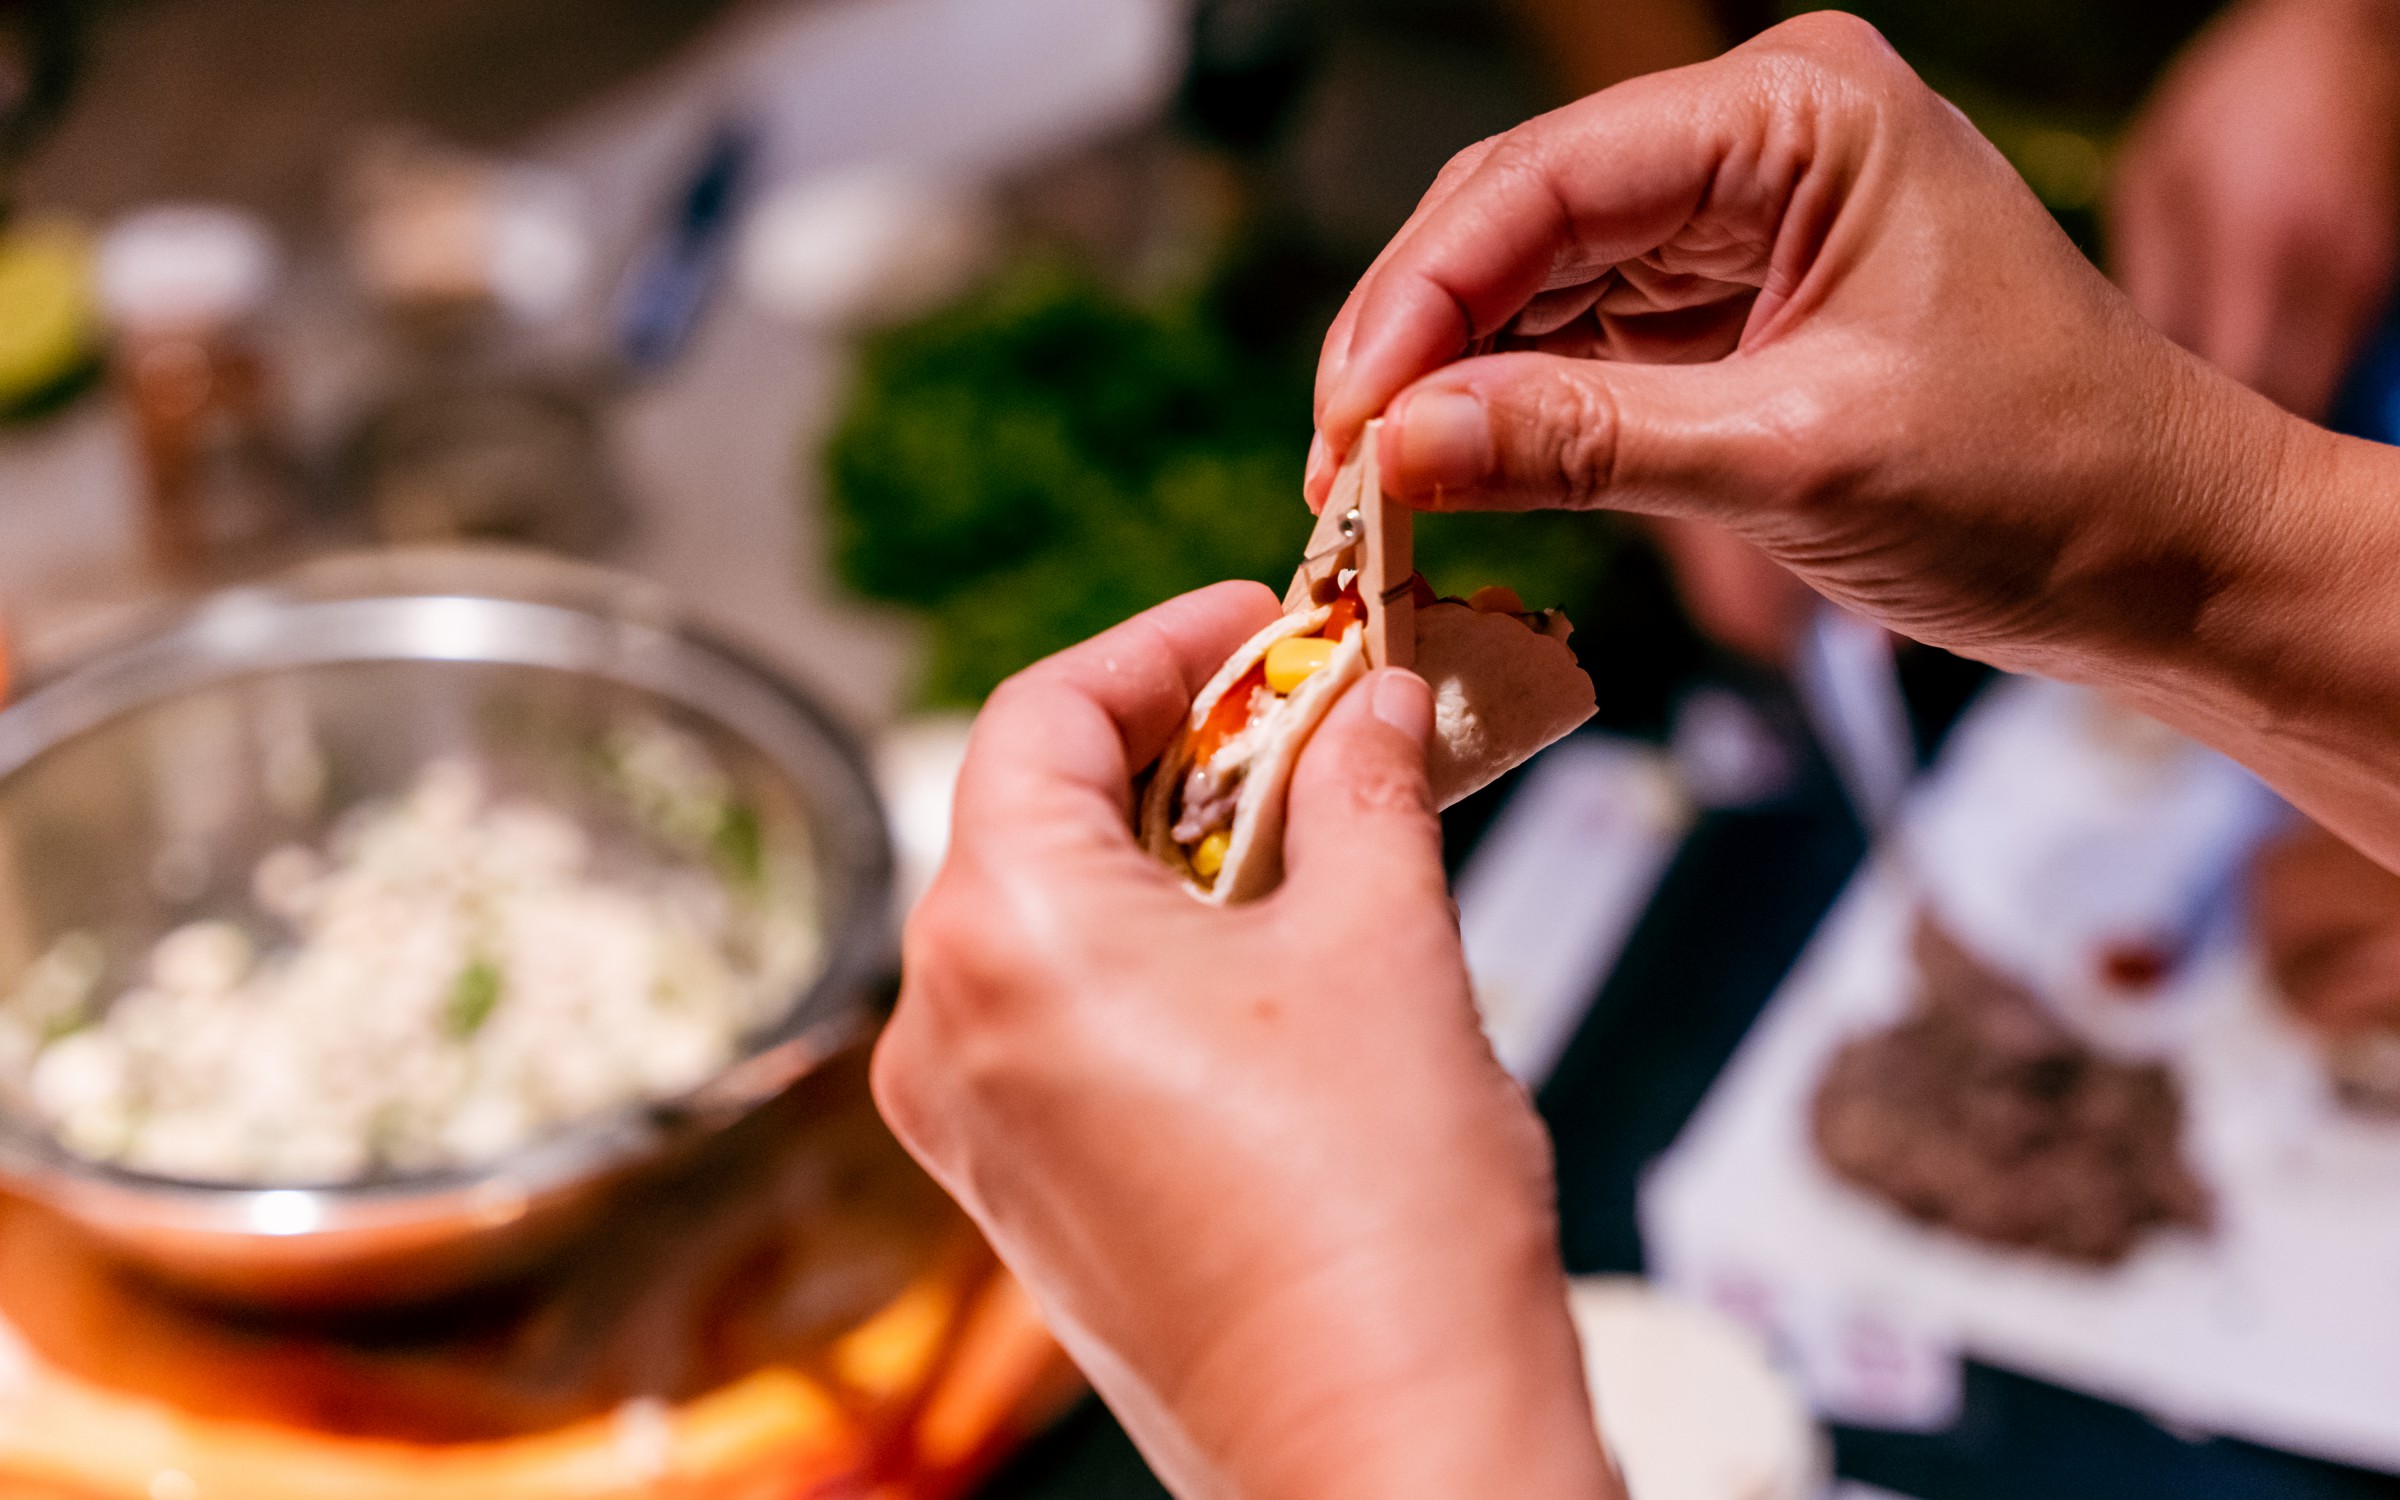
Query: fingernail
x=1335 y=362
x=1403 y=701
x=1320 y=468
x=1445 y=441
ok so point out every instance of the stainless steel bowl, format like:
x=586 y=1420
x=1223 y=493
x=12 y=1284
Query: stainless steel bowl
x=139 y=787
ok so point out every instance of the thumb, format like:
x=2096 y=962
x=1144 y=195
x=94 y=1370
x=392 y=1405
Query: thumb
x=1360 y=814
x=1546 y=431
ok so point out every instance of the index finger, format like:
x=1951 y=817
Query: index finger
x=1054 y=752
x=1334 y=351
x=1603 y=181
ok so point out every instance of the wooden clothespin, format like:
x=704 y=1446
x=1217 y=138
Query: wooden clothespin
x=1364 y=534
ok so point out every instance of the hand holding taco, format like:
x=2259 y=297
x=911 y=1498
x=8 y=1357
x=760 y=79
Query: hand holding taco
x=1230 y=1150
x=1504 y=685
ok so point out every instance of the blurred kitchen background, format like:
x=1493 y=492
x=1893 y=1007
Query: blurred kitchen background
x=908 y=340
x=598 y=282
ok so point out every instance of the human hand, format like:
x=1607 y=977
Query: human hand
x=1256 y=1162
x=2328 y=923
x=2255 y=212
x=1792 y=291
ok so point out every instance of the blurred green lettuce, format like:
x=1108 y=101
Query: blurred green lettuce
x=1047 y=457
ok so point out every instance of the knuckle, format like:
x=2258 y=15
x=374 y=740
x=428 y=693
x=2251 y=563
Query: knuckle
x=1015 y=690
x=932 y=932
x=1509 y=151
x=1464 y=161
x=1579 y=427
x=1800 y=451
x=1385 y=789
x=1841 y=37
x=894 y=1078
x=1518 y=155
x=1829 y=61
x=961 y=957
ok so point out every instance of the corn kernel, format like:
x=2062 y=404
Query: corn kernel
x=1208 y=857
x=1496 y=599
x=1292 y=659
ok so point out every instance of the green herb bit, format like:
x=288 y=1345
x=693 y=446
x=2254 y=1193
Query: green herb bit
x=473 y=994
x=741 y=845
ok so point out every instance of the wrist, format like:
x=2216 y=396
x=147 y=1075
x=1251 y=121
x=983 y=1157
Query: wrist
x=2289 y=656
x=2312 y=628
x=1410 y=1376
x=2148 y=523
x=2185 y=577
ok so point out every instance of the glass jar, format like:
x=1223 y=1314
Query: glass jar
x=182 y=288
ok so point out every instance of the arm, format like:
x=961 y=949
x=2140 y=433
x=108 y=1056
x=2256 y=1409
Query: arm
x=2255 y=212
x=1257 y=1163
x=1792 y=290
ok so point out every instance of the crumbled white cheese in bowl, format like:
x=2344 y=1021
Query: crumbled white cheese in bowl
x=450 y=975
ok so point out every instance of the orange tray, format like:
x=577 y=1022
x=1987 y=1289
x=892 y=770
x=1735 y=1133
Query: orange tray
x=803 y=1315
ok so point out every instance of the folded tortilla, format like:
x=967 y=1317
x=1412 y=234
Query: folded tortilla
x=1504 y=685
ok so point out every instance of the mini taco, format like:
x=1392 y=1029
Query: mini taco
x=1214 y=807
x=1504 y=685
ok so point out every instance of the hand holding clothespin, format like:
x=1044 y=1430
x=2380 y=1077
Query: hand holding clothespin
x=1365 y=535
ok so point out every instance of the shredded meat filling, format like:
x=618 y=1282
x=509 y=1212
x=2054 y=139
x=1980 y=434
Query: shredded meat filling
x=1213 y=788
x=1210 y=793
